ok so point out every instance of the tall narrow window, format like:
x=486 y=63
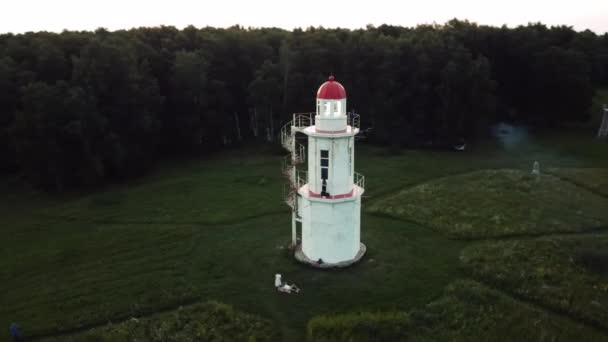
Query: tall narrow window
x=324 y=171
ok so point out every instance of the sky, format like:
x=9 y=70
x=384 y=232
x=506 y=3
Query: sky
x=19 y=16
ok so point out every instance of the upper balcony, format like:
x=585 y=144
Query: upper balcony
x=306 y=121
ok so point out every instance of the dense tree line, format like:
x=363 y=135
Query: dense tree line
x=82 y=108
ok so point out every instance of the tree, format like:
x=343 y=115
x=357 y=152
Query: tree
x=58 y=133
x=128 y=97
x=9 y=98
x=119 y=101
x=185 y=125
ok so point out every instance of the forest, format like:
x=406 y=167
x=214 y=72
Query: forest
x=83 y=109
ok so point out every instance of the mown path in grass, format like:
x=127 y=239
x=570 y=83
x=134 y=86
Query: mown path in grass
x=216 y=230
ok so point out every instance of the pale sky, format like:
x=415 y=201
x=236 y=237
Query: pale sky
x=55 y=15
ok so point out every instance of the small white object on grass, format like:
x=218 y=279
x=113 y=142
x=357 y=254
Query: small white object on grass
x=536 y=169
x=289 y=288
x=278 y=283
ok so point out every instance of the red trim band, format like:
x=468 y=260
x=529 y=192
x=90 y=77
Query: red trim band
x=346 y=195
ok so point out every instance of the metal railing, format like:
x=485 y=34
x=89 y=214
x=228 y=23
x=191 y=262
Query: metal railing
x=359 y=180
x=287 y=168
x=302 y=179
x=290 y=190
x=300 y=154
x=289 y=196
x=303 y=120
x=287 y=137
x=353 y=120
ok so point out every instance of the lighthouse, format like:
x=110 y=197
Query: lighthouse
x=324 y=191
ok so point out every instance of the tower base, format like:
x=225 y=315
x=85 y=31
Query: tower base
x=301 y=257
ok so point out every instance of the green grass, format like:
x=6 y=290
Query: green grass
x=208 y=321
x=469 y=311
x=86 y=260
x=565 y=273
x=196 y=193
x=215 y=229
x=594 y=179
x=360 y=327
x=494 y=203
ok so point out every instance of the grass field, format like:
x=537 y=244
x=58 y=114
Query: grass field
x=215 y=229
x=593 y=179
x=469 y=311
x=472 y=205
x=84 y=261
x=565 y=273
x=466 y=311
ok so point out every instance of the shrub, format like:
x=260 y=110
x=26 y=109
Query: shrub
x=359 y=327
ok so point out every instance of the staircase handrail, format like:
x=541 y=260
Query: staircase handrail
x=359 y=180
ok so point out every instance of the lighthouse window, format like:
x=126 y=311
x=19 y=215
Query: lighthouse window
x=324 y=173
x=324 y=164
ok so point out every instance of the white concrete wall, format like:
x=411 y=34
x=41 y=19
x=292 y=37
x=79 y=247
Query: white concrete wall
x=341 y=164
x=331 y=229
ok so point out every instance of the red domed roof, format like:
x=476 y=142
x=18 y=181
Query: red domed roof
x=331 y=90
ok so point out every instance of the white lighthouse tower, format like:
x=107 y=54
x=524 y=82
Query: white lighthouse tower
x=326 y=199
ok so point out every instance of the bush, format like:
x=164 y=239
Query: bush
x=209 y=321
x=359 y=327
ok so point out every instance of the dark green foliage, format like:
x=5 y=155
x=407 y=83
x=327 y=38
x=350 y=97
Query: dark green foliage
x=469 y=311
x=154 y=93
x=59 y=136
x=360 y=327
x=209 y=321
x=566 y=274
